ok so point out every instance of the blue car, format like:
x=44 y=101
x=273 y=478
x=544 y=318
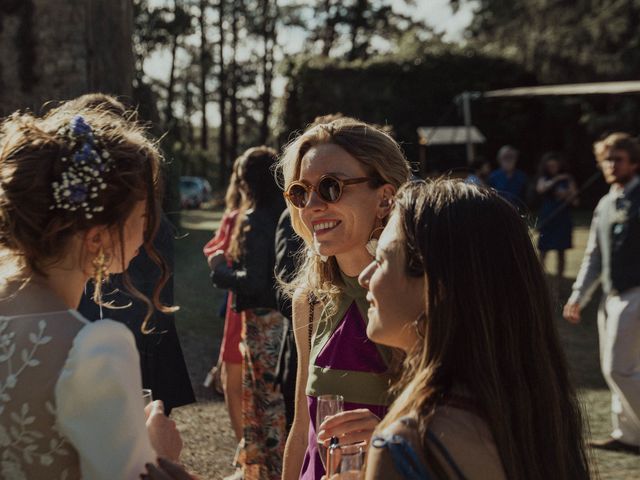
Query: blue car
x=194 y=191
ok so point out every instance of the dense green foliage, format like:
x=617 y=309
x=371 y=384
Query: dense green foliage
x=576 y=40
x=407 y=93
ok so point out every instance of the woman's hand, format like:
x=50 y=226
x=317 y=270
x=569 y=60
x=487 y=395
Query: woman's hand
x=166 y=470
x=163 y=434
x=216 y=258
x=352 y=426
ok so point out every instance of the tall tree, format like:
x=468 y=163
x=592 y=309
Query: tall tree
x=577 y=40
x=234 y=78
x=222 y=96
x=269 y=13
x=348 y=27
x=176 y=27
x=205 y=63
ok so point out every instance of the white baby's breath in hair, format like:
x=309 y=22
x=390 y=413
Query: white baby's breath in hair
x=85 y=164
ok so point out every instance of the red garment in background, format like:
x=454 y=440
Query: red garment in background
x=221 y=239
x=229 y=350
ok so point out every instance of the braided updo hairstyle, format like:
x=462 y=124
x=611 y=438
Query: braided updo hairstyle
x=34 y=155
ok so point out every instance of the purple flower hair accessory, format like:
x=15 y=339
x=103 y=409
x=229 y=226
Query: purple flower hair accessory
x=82 y=179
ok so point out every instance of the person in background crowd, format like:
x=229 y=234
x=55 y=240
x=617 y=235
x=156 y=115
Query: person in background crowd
x=557 y=189
x=162 y=363
x=288 y=247
x=229 y=365
x=339 y=180
x=612 y=258
x=471 y=402
x=251 y=279
x=510 y=182
x=79 y=195
x=480 y=171
x=161 y=360
x=600 y=149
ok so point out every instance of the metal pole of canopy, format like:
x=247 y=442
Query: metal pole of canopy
x=466 y=109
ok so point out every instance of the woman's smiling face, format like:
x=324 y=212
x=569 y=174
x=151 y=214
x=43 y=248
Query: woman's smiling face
x=396 y=300
x=344 y=226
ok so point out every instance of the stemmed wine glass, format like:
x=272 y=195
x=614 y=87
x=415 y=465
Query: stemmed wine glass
x=147 y=396
x=328 y=405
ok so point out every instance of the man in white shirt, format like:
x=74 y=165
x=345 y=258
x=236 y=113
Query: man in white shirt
x=612 y=258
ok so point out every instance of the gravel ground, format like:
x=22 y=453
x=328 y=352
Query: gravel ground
x=209 y=444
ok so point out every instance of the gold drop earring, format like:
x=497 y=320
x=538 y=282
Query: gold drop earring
x=100 y=273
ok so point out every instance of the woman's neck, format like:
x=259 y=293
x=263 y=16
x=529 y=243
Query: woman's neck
x=67 y=284
x=32 y=293
x=353 y=262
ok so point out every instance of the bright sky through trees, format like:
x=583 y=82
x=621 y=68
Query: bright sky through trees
x=436 y=13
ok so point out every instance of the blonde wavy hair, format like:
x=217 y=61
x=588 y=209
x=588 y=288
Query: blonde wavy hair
x=383 y=160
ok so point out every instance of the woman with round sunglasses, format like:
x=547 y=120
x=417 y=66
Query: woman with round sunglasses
x=339 y=180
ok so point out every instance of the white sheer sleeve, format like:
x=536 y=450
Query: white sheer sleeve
x=99 y=403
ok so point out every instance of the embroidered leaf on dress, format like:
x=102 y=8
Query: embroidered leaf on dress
x=19 y=442
x=5 y=441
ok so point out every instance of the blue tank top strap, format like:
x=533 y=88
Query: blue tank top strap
x=445 y=453
x=404 y=457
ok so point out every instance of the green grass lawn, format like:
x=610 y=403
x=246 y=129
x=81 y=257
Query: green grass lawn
x=198 y=300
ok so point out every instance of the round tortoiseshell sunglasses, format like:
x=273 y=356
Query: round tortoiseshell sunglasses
x=329 y=188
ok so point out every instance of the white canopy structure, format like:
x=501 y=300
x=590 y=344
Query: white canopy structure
x=449 y=135
x=600 y=88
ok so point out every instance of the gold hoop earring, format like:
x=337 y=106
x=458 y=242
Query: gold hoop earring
x=420 y=324
x=372 y=243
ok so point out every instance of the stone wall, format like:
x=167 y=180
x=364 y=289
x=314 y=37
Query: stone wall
x=78 y=46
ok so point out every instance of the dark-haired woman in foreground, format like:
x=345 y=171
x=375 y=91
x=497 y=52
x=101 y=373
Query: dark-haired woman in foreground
x=485 y=393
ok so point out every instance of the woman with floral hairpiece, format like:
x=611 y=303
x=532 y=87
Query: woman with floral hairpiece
x=78 y=198
x=339 y=180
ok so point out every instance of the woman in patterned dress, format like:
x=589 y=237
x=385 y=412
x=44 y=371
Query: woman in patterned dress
x=339 y=178
x=78 y=198
x=251 y=279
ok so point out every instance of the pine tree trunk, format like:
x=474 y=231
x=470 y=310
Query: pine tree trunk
x=233 y=113
x=204 y=132
x=268 y=34
x=222 y=134
x=171 y=85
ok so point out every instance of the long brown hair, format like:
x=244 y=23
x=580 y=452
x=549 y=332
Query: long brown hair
x=31 y=159
x=488 y=329
x=259 y=189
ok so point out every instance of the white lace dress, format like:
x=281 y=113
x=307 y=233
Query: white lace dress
x=70 y=400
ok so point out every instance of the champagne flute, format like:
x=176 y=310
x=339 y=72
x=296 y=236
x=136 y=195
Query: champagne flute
x=328 y=405
x=346 y=460
x=147 y=396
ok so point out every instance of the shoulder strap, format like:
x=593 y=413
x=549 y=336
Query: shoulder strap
x=445 y=453
x=312 y=307
x=404 y=457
